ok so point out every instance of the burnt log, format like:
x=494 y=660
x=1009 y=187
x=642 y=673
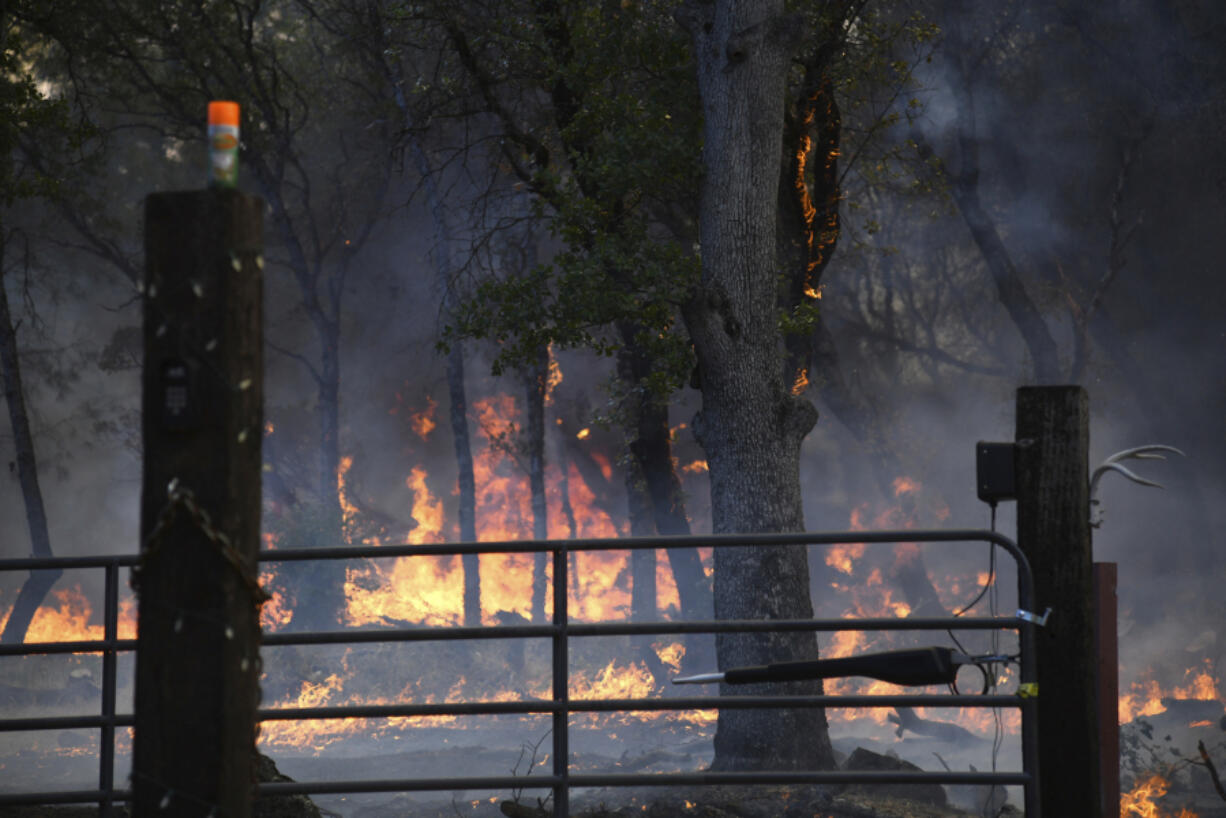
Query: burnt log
x=908 y=721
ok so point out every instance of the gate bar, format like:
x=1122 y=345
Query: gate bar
x=560 y=705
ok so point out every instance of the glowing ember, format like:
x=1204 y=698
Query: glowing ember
x=583 y=434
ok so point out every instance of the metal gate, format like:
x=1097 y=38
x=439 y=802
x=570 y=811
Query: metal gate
x=561 y=780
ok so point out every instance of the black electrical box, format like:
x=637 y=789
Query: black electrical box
x=994 y=472
x=179 y=401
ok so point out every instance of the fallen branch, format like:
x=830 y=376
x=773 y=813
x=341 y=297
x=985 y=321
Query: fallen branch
x=1217 y=782
x=907 y=720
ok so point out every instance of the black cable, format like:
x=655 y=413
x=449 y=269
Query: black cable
x=989 y=681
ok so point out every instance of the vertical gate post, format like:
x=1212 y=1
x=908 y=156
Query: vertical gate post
x=1106 y=606
x=197 y=663
x=1053 y=530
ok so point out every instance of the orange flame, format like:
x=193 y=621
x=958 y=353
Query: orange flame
x=1140 y=802
x=1202 y=685
x=696 y=467
x=422 y=422
x=68 y=618
x=553 y=378
x=349 y=511
x=427 y=509
x=801 y=383
x=1145 y=696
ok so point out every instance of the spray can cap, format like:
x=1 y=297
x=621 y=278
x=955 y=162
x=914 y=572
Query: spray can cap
x=222 y=112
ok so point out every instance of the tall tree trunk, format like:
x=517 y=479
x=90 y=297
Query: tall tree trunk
x=568 y=510
x=643 y=571
x=471 y=563
x=750 y=424
x=324 y=581
x=642 y=562
x=535 y=380
x=39 y=583
x=467 y=483
x=656 y=489
x=964 y=189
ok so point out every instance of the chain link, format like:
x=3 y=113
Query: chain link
x=179 y=496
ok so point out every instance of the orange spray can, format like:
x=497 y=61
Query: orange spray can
x=223 y=144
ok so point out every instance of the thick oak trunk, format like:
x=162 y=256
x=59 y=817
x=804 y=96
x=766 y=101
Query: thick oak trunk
x=750 y=424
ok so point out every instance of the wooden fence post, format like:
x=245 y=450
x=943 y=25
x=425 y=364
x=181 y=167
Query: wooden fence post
x=198 y=663
x=1106 y=644
x=1053 y=530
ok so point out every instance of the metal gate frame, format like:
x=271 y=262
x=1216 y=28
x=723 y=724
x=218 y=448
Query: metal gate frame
x=560 y=706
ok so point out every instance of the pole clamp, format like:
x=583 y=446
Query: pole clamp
x=1033 y=618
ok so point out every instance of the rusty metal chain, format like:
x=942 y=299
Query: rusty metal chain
x=179 y=496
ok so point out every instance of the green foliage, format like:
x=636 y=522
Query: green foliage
x=612 y=155
x=606 y=133
x=30 y=113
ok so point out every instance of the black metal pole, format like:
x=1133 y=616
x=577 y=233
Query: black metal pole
x=561 y=686
x=110 y=631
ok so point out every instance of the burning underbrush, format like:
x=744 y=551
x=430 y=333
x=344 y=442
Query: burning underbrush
x=848 y=580
x=469 y=671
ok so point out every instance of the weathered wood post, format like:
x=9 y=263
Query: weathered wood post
x=197 y=664
x=1106 y=644
x=1053 y=530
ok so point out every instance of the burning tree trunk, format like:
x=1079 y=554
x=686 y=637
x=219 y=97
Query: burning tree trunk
x=652 y=481
x=536 y=379
x=39 y=582
x=642 y=562
x=807 y=236
x=467 y=483
x=750 y=424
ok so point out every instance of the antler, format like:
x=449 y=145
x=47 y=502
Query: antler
x=1112 y=463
